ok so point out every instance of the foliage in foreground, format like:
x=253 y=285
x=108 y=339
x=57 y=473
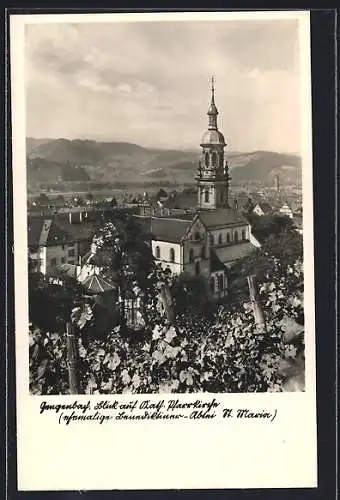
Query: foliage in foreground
x=224 y=353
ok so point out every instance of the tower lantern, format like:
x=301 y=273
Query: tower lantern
x=213 y=174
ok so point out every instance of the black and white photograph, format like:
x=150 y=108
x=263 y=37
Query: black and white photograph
x=164 y=207
x=163 y=248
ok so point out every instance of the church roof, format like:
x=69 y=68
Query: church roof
x=221 y=217
x=188 y=216
x=144 y=222
x=168 y=229
x=231 y=253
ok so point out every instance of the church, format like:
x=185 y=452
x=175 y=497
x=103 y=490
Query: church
x=207 y=241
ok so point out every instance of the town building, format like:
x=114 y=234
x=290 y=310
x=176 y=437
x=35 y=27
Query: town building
x=57 y=240
x=263 y=208
x=286 y=210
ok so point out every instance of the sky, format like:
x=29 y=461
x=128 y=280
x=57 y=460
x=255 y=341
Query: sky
x=149 y=82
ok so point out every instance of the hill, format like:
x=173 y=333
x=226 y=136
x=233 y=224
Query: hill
x=265 y=165
x=40 y=171
x=64 y=160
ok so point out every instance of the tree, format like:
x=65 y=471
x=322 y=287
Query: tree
x=122 y=254
x=89 y=197
x=50 y=305
x=161 y=194
x=266 y=225
x=79 y=201
x=277 y=254
x=189 y=292
x=257 y=263
x=42 y=199
x=286 y=247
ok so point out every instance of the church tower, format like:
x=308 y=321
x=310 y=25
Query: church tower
x=213 y=174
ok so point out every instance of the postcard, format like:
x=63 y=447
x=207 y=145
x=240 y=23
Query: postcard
x=163 y=247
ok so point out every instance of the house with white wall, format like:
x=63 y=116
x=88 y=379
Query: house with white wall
x=56 y=240
x=286 y=210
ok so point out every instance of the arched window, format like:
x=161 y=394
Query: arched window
x=211 y=240
x=206 y=196
x=197 y=236
x=243 y=234
x=158 y=253
x=191 y=255
x=203 y=252
x=220 y=239
x=214 y=159
x=207 y=159
x=172 y=255
x=212 y=284
x=197 y=268
x=220 y=282
x=228 y=237
x=236 y=236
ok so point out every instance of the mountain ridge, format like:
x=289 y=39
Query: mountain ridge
x=96 y=161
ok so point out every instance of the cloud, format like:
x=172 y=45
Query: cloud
x=149 y=82
x=124 y=87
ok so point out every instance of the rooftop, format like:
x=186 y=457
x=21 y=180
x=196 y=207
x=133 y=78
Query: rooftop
x=57 y=230
x=229 y=254
x=213 y=137
x=98 y=284
x=265 y=207
x=221 y=217
x=168 y=229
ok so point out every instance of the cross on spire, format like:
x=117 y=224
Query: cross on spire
x=212 y=85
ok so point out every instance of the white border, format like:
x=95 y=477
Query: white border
x=161 y=455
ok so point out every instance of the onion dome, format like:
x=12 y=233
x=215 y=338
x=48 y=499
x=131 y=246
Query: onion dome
x=212 y=135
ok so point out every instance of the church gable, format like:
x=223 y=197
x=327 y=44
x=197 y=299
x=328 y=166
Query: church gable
x=197 y=230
